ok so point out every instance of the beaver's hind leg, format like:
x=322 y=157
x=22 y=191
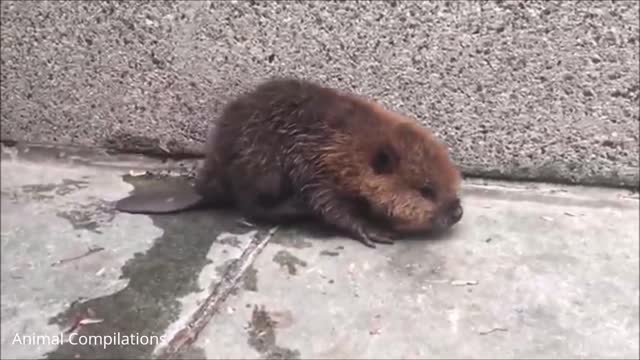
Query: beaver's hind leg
x=270 y=198
x=281 y=211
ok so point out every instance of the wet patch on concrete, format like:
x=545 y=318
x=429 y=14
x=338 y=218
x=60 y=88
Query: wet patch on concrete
x=44 y=192
x=68 y=186
x=230 y=240
x=158 y=279
x=250 y=279
x=39 y=192
x=262 y=336
x=47 y=191
x=191 y=352
x=90 y=216
x=297 y=242
x=286 y=259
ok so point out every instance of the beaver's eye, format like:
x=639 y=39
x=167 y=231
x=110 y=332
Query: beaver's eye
x=384 y=161
x=428 y=192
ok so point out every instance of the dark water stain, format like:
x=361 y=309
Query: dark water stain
x=90 y=216
x=39 y=192
x=262 y=336
x=230 y=240
x=47 y=191
x=302 y=234
x=191 y=352
x=157 y=278
x=286 y=259
x=296 y=242
x=68 y=186
x=250 y=279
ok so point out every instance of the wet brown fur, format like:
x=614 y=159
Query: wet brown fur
x=292 y=148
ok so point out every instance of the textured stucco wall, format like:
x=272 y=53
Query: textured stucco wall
x=545 y=90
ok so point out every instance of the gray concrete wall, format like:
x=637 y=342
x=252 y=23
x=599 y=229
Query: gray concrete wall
x=542 y=90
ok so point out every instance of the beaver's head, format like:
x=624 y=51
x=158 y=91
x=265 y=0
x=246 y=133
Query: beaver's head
x=398 y=169
x=413 y=184
x=408 y=179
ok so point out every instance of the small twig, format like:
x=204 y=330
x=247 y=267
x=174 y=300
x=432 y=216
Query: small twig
x=80 y=320
x=244 y=222
x=492 y=330
x=87 y=253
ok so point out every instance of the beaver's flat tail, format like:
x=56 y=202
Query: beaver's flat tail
x=160 y=203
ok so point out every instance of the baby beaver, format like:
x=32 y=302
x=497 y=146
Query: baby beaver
x=291 y=149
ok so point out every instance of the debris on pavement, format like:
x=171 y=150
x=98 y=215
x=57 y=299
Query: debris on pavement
x=88 y=321
x=87 y=253
x=83 y=319
x=354 y=284
x=376 y=328
x=492 y=330
x=464 y=282
x=135 y=173
x=546 y=218
x=568 y=213
x=100 y=272
x=244 y=222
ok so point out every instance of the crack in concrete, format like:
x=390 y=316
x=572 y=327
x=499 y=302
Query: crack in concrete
x=230 y=280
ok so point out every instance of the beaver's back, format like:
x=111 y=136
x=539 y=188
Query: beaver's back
x=280 y=123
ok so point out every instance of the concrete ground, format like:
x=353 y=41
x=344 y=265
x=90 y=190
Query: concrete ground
x=532 y=271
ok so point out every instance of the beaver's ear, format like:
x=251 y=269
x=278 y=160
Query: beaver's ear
x=385 y=160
